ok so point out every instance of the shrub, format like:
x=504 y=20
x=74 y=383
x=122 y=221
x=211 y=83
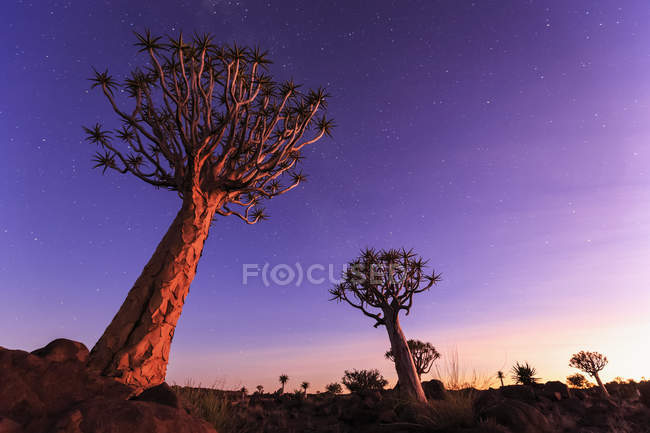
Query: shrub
x=577 y=381
x=334 y=388
x=363 y=380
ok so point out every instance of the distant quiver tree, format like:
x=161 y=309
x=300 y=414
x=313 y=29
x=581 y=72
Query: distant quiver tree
x=423 y=354
x=381 y=284
x=591 y=363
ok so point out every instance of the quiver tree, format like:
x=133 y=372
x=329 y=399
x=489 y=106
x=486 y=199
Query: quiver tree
x=501 y=376
x=423 y=354
x=381 y=284
x=206 y=122
x=591 y=363
x=283 y=381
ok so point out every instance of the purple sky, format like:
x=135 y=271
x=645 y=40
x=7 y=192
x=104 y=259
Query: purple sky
x=507 y=141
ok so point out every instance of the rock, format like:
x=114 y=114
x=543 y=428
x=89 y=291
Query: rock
x=387 y=416
x=434 y=389
x=9 y=426
x=161 y=394
x=519 y=392
x=644 y=391
x=555 y=390
x=487 y=398
x=517 y=416
x=100 y=415
x=62 y=349
x=51 y=390
x=35 y=387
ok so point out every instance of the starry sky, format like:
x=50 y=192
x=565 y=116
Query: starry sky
x=506 y=141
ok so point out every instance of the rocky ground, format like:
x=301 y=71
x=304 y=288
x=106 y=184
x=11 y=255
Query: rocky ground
x=551 y=407
x=50 y=390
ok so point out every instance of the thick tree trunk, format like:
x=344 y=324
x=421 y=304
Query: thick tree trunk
x=600 y=384
x=407 y=375
x=135 y=346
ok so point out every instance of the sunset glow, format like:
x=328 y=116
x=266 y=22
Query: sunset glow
x=508 y=145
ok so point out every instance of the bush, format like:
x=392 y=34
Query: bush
x=577 y=381
x=334 y=388
x=364 y=380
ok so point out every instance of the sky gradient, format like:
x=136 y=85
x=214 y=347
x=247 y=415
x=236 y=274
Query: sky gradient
x=506 y=141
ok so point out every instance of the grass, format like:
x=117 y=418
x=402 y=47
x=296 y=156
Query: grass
x=215 y=407
x=450 y=372
x=456 y=410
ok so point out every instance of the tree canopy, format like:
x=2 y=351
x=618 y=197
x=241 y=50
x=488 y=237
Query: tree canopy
x=208 y=118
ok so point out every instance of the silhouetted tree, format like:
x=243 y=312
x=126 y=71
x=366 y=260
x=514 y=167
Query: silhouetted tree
x=381 y=284
x=283 y=380
x=501 y=376
x=577 y=381
x=334 y=388
x=260 y=389
x=304 y=386
x=206 y=122
x=524 y=374
x=423 y=354
x=363 y=380
x=591 y=363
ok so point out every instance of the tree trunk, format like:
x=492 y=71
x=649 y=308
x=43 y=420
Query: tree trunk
x=600 y=384
x=407 y=375
x=135 y=346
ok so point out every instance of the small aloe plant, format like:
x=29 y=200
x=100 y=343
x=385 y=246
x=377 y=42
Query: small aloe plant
x=524 y=374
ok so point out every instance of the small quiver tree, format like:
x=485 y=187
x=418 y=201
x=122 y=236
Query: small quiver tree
x=381 y=284
x=591 y=363
x=423 y=354
x=283 y=381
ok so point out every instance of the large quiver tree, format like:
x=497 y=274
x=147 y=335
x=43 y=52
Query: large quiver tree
x=206 y=122
x=381 y=284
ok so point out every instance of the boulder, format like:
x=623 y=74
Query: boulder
x=644 y=391
x=555 y=390
x=62 y=349
x=517 y=416
x=434 y=389
x=100 y=415
x=519 y=392
x=51 y=390
x=161 y=394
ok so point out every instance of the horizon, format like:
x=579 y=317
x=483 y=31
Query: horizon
x=506 y=145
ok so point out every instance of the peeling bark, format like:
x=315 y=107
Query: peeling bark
x=135 y=346
x=408 y=379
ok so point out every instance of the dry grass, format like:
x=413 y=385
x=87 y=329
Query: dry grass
x=214 y=407
x=455 y=377
x=456 y=410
